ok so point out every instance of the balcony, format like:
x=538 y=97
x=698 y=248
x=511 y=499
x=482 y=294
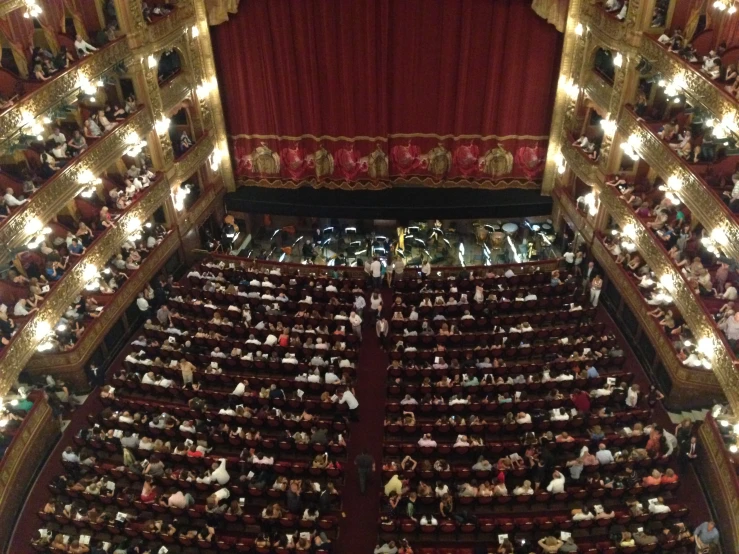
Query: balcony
x=46 y=96
x=599 y=90
x=116 y=305
x=165 y=29
x=25 y=455
x=701 y=198
x=608 y=29
x=193 y=158
x=174 y=91
x=720 y=479
x=700 y=88
x=23 y=344
x=690 y=305
x=64 y=185
x=682 y=377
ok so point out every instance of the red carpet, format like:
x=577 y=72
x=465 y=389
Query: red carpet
x=358 y=530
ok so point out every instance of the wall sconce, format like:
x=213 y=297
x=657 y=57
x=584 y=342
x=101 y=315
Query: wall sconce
x=631 y=147
x=43 y=330
x=215 y=159
x=559 y=160
x=161 y=126
x=719 y=235
x=89 y=273
x=194 y=31
x=705 y=347
x=33 y=226
x=609 y=126
x=151 y=61
x=579 y=30
x=618 y=59
x=135 y=145
x=630 y=230
x=667 y=281
x=178 y=198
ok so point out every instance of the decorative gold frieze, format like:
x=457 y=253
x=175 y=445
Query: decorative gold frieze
x=709 y=209
x=687 y=303
x=699 y=88
x=42 y=100
x=7 y=6
x=65 y=292
x=64 y=186
x=195 y=157
x=607 y=31
x=163 y=31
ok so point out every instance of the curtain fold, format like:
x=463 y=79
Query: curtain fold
x=553 y=11
x=339 y=93
x=18 y=31
x=78 y=17
x=219 y=10
x=51 y=20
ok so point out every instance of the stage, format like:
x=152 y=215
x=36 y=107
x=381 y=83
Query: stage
x=403 y=203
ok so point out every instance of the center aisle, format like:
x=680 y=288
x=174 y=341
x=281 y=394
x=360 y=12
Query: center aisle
x=358 y=529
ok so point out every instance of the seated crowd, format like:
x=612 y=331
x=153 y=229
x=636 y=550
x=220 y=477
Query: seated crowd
x=525 y=406
x=226 y=424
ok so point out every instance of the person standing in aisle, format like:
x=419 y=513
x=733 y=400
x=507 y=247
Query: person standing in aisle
x=365 y=468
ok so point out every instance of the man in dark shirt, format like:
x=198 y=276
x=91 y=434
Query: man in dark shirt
x=365 y=467
x=294 y=503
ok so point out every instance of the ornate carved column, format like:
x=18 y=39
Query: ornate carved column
x=146 y=86
x=204 y=71
x=569 y=62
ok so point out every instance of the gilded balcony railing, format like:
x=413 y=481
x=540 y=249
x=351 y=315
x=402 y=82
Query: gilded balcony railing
x=175 y=91
x=701 y=199
x=599 y=90
x=685 y=378
x=27 y=338
x=64 y=186
x=98 y=327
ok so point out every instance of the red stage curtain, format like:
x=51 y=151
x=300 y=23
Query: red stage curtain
x=18 y=31
x=52 y=19
x=370 y=91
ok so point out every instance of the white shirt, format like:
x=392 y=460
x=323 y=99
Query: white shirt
x=70 y=457
x=239 y=390
x=270 y=340
x=376 y=268
x=84 y=46
x=331 y=378
x=631 y=398
x=12 y=201
x=350 y=400
x=220 y=475
x=19 y=309
x=557 y=485
x=142 y=304
x=359 y=303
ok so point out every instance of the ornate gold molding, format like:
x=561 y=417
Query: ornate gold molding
x=203 y=54
x=720 y=479
x=42 y=100
x=112 y=312
x=689 y=305
x=168 y=29
x=196 y=156
x=175 y=91
x=570 y=62
x=709 y=209
x=700 y=89
x=607 y=31
x=63 y=187
x=35 y=438
x=7 y=6
x=26 y=340
x=599 y=91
